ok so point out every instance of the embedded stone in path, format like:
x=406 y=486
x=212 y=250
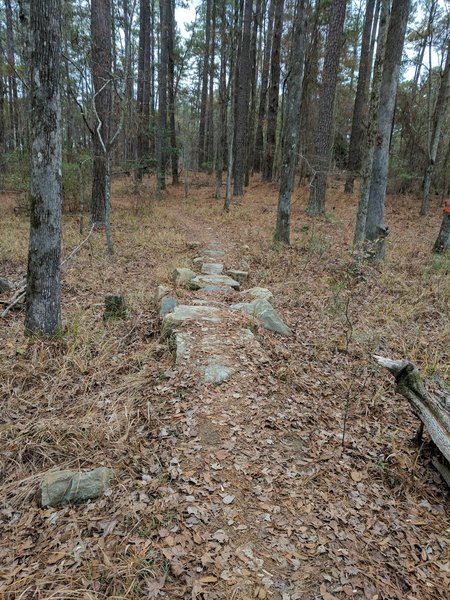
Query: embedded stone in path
x=266 y=314
x=259 y=293
x=212 y=268
x=211 y=289
x=190 y=314
x=182 y=275
x=167 y=305
x=202 y=281
x=213 y=253
x=240 y=276
x=64 y=487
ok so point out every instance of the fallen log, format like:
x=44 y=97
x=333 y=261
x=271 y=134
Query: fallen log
x=433 y=409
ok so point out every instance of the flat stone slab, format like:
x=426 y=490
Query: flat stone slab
x=240 y=276
x=64 y=487
x=181 y=275
x=213 y=355
x=202 y=281
x=266 y=314
x=167 y=305
x=212 y=268
x=183 y=314
x=213 y=253
x=259 y=293
x=212 y=289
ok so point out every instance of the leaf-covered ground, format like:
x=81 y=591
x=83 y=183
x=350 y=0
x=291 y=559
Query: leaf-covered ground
x=247 y=489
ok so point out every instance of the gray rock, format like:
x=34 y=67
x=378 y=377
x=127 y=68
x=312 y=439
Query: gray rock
x=64 y=487
x=5 y=285
x=213 y=253
x=199 y=260
x=193 y=245
x=211 y=289
x=215 y=372
x=183 y=313
x=259 y=293
x=265 y=313
x=202 y=281
x=182 y=276
x=212 y=268
x=168 y=304
x=160 y=291
x=115 y=307
x=199 y=302
x=240 y=276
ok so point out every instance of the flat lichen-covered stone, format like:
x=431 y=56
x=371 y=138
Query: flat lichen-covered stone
x=212 y=268
x=240 y=276
x=266 y=314
x=167 y=305
x=259 y=293
x=182 y=275
x=202 y=281
x=183 y=314
x=66 y=487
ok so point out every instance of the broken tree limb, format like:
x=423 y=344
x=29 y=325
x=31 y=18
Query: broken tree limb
x=432 y=409
x=21 y=293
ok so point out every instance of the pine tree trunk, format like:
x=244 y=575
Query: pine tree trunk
x=242 y=100
x=324 y=137
x=439 y=114
x=442 y=243
x=204 y=88
x=376 y=230
x=252 y=110
x=162 y=91
x=259 y=138
x=354 y=152
x=290 y=138
x=43 y=306
x=370 y=136
x=171 y=90
x=222 y=124
x=274 y=92
x=102 y=104
x=12 y=81
x=143 y=89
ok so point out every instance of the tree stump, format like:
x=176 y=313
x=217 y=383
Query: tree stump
x=115 y=307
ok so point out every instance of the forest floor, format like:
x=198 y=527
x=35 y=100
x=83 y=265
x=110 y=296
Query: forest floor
x=226 y=493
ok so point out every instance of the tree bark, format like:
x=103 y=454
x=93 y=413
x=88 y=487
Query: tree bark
x=12 y=81
x=259 y=137
x=442 y=243
x=354 y=151
x=204 y=88
x=324 y=136
x=439 y=114
x=274 y=92
x=43 y=304
x=143 y=89
x=223 y=103
x=371 y=132
x=290 y=125
x=162 y=92
x=242 y=100
x=376 y=231
x=102 y=104
x=171 y=90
